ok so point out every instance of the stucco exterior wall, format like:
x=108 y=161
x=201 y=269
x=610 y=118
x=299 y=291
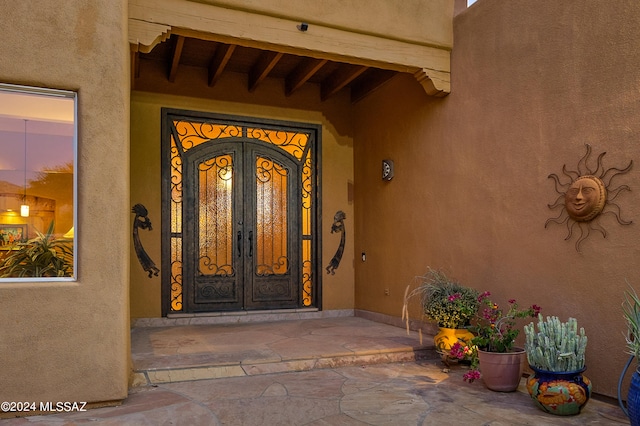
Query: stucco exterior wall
x=532 y=83
x=230 y=96
x=70 y=341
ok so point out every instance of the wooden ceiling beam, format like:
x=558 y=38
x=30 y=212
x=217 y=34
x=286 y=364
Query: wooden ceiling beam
x=302 y=73
x=219 y=61
x=175 y=60
x=374 y=79
x=339 y=79
x=261 y=69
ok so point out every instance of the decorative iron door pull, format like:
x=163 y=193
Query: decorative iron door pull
x=250 y=243
x=239 y=243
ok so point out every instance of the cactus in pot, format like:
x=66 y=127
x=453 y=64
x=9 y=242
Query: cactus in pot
x=557 y=346
x=556 y=354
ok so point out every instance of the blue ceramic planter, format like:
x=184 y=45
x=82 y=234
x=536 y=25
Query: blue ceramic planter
x=632 y=409
x=633 y=400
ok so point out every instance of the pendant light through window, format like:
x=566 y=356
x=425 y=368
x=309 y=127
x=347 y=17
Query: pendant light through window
x=24 y=208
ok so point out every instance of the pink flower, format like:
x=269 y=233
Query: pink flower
x=457 y=351
x=488 y=314
x=512 y=301
x=483 y=296
x=471 y=375
x=454 y=297
x=536 y=310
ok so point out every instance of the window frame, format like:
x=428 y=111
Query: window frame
x=72 y=95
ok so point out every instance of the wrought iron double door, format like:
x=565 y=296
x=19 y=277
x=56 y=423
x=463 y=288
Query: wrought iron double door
x=240 y=216
x=242 y=227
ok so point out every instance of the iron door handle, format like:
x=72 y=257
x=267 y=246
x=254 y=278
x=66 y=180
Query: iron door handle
x=239 y=243
x=250 y=243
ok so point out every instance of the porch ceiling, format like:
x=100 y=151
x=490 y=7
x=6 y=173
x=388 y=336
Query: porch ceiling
x=215 y=58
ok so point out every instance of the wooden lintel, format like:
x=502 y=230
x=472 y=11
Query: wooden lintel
x=375 y=79
x=175 y=61
x=261 y=69
x=301 y=74
x=340 y=79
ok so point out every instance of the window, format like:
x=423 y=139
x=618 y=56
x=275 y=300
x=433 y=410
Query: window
x=38 y=134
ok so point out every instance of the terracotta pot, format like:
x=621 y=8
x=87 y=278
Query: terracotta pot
x=501 y=371
x=447 y=337
x=561 y=393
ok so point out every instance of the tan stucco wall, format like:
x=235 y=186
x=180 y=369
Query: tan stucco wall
x=532 y=82
x=70 y=341
x=230 y=96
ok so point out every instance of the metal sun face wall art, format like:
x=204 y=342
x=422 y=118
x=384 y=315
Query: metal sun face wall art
x=587 y=197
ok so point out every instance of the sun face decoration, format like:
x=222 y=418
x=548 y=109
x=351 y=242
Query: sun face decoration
x=587 y=197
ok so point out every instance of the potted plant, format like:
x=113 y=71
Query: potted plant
x=42 y=256
x=631 y=311
x=556 y=354
x=447 y=303
x=492 y=350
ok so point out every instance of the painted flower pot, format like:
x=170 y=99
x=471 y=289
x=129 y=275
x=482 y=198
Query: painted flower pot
x=447 y=337
x=561 y=393
x=501 y=371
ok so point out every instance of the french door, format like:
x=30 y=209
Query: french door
x=239 y=221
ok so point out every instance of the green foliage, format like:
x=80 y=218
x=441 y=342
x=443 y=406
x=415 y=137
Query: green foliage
x=43 y=256
x=445 y=301
x=557 y=346
x=631 y=311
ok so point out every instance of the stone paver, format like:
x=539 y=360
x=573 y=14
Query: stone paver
x=337 y=371
x=192 y=352
x=385 y=394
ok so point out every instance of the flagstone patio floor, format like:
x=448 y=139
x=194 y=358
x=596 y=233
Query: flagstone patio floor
x=329 y=371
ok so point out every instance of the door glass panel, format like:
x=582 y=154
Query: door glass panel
x=307 y=273
x=215 y=223
x=176 y=188
x=192 y=134
x=271 y=220
x=176 y=274
x=292 y=142
x=176 y=226
x=306 y=196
